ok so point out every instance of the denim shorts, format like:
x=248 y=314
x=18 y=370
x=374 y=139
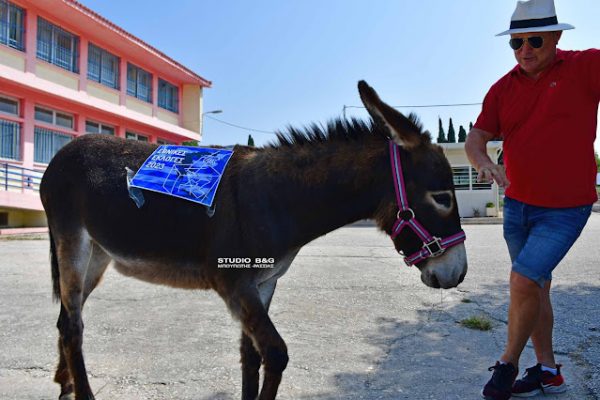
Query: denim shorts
x=539 y=237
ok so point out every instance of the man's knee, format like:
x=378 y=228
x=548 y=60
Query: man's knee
x=523 y=284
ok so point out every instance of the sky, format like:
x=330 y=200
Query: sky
x=279 y=63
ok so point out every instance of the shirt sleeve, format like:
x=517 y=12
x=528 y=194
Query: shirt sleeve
x=489 y=120
x=594 y=69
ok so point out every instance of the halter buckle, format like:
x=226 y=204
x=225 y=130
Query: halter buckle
x=434 y=248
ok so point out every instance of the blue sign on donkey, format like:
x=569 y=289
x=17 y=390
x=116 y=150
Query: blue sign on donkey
x=191 y=173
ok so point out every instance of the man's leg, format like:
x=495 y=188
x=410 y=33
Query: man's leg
x=542 y=333
x=523 y=315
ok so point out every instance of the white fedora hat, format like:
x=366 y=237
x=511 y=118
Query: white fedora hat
x=535 y=16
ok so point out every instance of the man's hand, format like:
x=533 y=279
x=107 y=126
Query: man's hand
x=493 y=172
x=476 y=150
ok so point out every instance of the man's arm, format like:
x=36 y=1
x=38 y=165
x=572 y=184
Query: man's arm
x=477 y=153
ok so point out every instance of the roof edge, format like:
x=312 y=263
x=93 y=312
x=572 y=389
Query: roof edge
x=114 y=27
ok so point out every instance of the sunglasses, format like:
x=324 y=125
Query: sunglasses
x=535 y=42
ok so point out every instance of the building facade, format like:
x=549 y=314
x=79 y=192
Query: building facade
x=66 y=71
x=472 y=197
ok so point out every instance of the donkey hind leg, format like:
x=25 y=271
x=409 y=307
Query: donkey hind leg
x=250 y=357
x=81 y=268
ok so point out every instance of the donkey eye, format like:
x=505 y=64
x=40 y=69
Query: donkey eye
x=443 y=199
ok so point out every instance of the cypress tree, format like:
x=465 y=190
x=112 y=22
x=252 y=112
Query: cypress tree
x=470 y=126
x=250 y=141
x=451 y=133
x=462 y=135
x=441 y=134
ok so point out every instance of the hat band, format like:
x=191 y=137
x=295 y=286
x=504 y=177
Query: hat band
x=533 y=23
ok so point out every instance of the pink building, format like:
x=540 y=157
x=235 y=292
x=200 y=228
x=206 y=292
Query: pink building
x=66 y=71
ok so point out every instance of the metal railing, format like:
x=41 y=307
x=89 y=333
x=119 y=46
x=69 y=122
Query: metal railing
x=16 y=178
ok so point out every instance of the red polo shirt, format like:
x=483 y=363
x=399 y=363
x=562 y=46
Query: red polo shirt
x=549 y=127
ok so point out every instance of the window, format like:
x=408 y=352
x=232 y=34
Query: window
x=461 y=178
x=103 y=67
x=476 y=185
x=95 y=127
x=163 y=142
x=53 y=117
x=46 y=144
x=9 y=106
x=10 y=139
x=57 y=46
x=465 y=178
x=11 y=25
x=135 y=136
x=139 y=83
x=168 y=96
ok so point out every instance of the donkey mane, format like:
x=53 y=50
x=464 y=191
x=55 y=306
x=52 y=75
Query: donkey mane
x=336 y=130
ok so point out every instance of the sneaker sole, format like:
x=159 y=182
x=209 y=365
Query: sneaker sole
x=555 y=389
x=528 y=394
x=547 y=390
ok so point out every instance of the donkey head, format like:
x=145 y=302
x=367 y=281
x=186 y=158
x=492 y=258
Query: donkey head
x=429 y=193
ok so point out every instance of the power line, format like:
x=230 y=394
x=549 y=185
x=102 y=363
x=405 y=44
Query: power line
x=427 y=105
x=239 y=126
x=344 y=114
x=418 y=106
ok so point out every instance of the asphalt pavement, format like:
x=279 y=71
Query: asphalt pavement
x=358 y=325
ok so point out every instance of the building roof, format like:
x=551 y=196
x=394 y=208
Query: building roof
x=80 y=16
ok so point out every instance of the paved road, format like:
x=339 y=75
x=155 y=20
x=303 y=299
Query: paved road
x=358 y=324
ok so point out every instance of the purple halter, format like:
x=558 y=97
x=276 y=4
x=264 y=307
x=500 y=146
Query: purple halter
x=432 y=246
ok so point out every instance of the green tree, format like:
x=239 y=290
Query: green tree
x=462 y=135
x=470 y=126
x=190 y=143
x=250 y=141
x=451 y=133
x=597 y=161
x=441 y=134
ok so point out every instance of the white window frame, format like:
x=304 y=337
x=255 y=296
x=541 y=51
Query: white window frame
x=473 y=185
x=136 y=136
x=18 y=113
x=162 y=141
x=100 y=127
x=54 y=112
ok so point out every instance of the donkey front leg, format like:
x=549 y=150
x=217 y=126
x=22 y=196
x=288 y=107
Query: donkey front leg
x=250 y=358
x=246 y=305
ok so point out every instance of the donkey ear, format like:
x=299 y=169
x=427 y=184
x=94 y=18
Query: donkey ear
x=402 y=130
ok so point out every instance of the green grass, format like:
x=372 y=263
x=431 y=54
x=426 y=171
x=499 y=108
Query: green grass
x=477 y=323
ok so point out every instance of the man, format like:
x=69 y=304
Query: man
x=545 y=109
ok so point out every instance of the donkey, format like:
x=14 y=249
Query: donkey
x=271 y=202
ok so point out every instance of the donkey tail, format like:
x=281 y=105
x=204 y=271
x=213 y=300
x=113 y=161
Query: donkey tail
x=55 y=271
